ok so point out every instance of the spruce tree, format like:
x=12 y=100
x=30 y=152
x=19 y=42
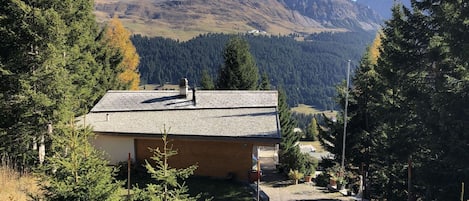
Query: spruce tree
x=239 y=71
x=53 y=66
x=290 y=156
x=168 y=184
x=39 y=88
x=77 y=171
x=445 y=89
x=406 y=107
x=265 y=82
x=313 y=130
x=206 y=81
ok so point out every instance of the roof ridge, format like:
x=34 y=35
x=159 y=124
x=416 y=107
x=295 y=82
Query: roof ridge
x=238 y=91
x=140 y=91
x=182 y=109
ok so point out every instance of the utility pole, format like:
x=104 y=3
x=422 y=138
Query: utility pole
x=342 y=164
x=409 y=178
x=128 y=177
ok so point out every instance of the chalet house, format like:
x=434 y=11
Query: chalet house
x=220 y=131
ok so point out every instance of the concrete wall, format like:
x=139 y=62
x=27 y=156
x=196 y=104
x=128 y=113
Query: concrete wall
x=214 y=158
x=116 y=148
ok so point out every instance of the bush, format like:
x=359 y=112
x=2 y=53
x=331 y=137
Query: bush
x=295 y=175
x=322 y=179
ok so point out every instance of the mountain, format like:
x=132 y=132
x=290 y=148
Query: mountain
x=184 y=19
x=383 y=7
x=337 y=13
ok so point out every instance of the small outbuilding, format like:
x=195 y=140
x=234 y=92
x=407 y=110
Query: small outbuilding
x=218 y=130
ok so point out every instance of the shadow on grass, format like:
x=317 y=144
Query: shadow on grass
x=219 y=189
x=321 y=200
x=208 y=188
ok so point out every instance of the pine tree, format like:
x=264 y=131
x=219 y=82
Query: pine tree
x=265 y=82
x=77 y=171
x=39 y=88
x=167 y=186
x=362 y=132
x=289 y=154
x=407 y=106
x=239 y=71
x=206 y=81
x=445 y=89
x=402 y=89
x=313 y=130
x=53 y=66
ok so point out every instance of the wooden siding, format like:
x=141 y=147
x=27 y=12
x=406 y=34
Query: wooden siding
x=214 y=158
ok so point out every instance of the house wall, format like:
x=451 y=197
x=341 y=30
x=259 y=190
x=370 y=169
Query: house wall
x=214 y=158
x=116 y=148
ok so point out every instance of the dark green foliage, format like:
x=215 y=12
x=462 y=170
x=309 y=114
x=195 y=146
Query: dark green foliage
x=53 y=65
x=289 y=155
x=304 y=120
x=322 y=179
x=239 y=71
x=312 y=131
x=412 y=106
x=307 y=70
x=265 y=82
x=207 y=81
x=77 y=171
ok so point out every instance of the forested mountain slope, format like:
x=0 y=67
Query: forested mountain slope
x=308 y=70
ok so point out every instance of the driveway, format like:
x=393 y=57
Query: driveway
x=280 y=188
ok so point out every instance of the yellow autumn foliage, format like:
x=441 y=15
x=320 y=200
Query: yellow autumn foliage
x=374 y=48
x=119 y=37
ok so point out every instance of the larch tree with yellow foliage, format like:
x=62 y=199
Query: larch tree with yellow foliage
x=119 y=38
x=373 y=50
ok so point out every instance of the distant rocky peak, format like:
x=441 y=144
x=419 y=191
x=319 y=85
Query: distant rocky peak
x=337 y=13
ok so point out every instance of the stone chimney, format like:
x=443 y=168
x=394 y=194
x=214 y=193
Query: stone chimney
x=183 y=87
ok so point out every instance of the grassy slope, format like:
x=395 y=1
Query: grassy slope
x=306 y=109
x=185 y=21
x=16 y=187
x=316 y=144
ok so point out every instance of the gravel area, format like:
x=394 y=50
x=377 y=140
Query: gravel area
x=299 y=192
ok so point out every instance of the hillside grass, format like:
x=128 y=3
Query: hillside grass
x=307 y=109
x=316 y=144
x=186 y=22
x=16 y=186
x=153 y=28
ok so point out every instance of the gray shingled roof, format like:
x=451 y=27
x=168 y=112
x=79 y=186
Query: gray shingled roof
x=164 y=100
x=241 y=122
x=238 y=114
